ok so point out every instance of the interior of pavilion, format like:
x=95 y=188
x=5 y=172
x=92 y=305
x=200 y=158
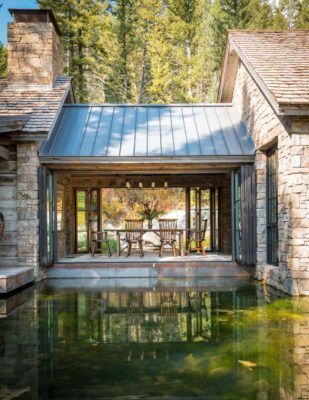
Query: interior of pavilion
x=196 y=206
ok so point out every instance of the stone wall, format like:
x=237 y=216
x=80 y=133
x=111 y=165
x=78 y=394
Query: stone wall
x=28 y=206
x=34 y=53
x=293 y=187
x=8 y=243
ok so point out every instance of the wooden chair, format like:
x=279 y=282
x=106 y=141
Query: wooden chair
x=198 y=236
x=168 y=234
x=134 y=234
x=100 y=238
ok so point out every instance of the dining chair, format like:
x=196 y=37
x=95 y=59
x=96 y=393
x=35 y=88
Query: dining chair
x=167 y=229
x=98 y=238
x=134 y=234
x=198 y=236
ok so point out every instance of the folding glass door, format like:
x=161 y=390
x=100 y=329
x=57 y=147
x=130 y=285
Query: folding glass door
x=237 y=216
x=244 y=217
x=87 y=217
x=47 y=216
x=204 y=204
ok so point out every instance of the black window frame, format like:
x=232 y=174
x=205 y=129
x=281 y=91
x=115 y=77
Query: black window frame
x=272 y=205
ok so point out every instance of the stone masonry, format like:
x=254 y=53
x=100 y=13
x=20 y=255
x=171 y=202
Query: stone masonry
x=34 y=53
x=292 y=137
x=28 y=206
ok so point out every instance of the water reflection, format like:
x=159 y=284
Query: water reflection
x=239 y=342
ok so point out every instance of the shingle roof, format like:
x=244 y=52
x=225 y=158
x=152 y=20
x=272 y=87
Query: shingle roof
x=37 y=108
x=148 y=131
x=280 y=58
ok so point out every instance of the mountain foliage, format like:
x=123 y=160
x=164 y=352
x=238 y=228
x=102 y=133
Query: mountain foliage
x=162 y=51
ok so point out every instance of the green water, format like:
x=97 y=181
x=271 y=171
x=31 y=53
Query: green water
x=169 y=341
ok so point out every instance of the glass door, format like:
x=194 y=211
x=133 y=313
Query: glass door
x=47 y=226
x=87 y=217
x=94 y=211
x=50 y=216
x=205 y=204
x=237 y=216
x=244 y=215
x=81 y=204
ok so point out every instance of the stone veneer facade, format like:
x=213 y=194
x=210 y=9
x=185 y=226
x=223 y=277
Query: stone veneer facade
x=34 y=59
x=34 y=53
x=28 y=206
x=292 y=137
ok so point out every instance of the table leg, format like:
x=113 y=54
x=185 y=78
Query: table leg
x=181 y=244
x=118 y=244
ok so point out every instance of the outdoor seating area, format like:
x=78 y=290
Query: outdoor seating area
x=168 y=233
x=143 y=218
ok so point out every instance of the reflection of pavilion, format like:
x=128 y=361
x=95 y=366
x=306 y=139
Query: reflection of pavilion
x=122 y=317
x=105 y=332
x=145 y=316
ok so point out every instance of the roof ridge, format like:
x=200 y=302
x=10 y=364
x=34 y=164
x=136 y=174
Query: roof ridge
x=148 y=105
x=268 y=30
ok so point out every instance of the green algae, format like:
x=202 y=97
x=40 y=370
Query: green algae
x=229 y=344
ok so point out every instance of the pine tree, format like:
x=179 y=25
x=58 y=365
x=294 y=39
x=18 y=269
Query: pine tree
x=302 y=20
x=3 y=61
x=231 y=14
x=279 y=20
x=82 y=23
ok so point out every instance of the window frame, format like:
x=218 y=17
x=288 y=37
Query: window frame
x=272 y=206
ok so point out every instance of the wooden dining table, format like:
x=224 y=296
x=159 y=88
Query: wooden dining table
x=179 y=231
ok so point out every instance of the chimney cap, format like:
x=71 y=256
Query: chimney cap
x=34 y=15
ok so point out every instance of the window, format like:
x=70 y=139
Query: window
x=272 y=207
x=59 y=210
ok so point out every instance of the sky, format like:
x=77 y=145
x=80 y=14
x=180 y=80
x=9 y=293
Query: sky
x=5 y=16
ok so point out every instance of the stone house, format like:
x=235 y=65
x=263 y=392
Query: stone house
x=249 y=151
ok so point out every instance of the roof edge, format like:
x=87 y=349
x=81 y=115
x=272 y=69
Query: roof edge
x=280 y=108
x=232 y=46
x=148 y=105
x=265 y=30
x=206 y=159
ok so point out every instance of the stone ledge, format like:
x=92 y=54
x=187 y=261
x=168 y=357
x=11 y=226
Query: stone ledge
x=12 y=278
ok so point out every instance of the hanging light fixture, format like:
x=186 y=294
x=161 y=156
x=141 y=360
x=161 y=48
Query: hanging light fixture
x=128 y=185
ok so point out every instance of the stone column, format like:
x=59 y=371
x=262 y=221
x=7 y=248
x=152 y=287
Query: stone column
x=260 y=167
x=28 y=206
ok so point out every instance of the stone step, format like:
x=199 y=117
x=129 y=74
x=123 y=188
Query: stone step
x=148 y=270
x=13 y=278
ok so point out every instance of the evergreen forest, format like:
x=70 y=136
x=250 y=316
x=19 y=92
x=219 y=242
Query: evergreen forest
x=156 y=51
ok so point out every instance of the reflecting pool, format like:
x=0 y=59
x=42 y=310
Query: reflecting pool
x=174 y=340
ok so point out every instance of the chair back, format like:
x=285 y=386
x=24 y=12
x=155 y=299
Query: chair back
x=168 y=229
x=134 y=229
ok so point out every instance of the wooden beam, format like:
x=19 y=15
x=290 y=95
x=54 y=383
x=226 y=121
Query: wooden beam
x=4 y=153
x=116 y=181
x=228 y=75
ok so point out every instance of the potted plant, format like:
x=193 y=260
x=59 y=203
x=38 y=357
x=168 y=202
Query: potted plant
x=150 y=211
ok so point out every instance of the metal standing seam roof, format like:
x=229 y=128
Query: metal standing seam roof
x=148 y=131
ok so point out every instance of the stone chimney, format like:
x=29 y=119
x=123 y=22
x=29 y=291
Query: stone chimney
x=34 y=49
